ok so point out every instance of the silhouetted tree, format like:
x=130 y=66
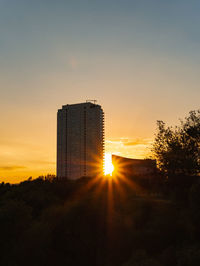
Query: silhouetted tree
x=177 y=150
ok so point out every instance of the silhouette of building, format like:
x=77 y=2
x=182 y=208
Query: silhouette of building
x=80 y=140
x=133 y=167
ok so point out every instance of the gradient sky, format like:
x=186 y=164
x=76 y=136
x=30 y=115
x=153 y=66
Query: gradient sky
x=139 y=58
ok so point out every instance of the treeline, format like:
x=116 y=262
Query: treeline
x=96 y=222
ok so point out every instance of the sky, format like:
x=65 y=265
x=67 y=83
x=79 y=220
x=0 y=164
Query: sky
x=138 y=58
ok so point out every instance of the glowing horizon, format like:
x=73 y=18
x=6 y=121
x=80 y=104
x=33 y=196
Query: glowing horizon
x=27 y=165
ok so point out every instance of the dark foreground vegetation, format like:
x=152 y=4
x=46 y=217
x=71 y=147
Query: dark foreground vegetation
x=121 y=221
x=99 y=222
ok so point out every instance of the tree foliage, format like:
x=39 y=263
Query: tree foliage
x=177 y=149
x=96 y=222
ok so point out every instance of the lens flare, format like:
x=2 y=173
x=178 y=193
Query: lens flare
x=108 y=166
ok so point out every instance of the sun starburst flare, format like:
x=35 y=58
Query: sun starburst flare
x=108 y=166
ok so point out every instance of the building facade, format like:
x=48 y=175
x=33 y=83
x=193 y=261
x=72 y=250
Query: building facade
x=80 y=140
x=133 y=167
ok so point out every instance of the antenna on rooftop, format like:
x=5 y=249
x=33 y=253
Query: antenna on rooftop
x=93 y=101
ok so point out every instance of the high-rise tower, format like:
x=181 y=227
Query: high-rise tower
x=80 y=140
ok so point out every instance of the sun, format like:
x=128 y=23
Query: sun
x=108 y=166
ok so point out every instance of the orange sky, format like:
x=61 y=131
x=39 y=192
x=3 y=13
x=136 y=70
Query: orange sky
x=28 y=135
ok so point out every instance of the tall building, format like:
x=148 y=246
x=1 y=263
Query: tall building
x=80 y=140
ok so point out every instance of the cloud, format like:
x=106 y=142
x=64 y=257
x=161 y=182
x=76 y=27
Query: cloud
x=129 y=147
x=41 y=162
x=130 y=141
x=137 y=142
x=113 y=141
x=11 y=168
